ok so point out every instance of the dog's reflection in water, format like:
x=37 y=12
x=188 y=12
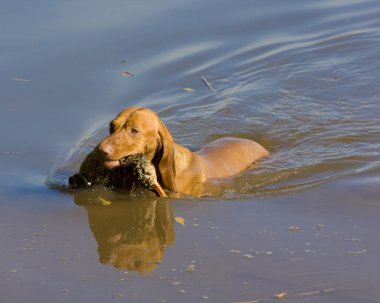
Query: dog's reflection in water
x=131 y=233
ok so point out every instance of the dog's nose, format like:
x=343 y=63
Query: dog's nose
x=105 y=149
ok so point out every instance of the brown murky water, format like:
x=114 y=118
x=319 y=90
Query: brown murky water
x=299 y=77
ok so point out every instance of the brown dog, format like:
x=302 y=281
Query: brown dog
x=138 y=130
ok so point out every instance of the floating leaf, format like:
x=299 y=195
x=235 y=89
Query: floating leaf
x=180 y=220
x=126 y=74
x=281 y=295
x=190 y=268
x=188 y=89
x=104 y=202
x=294 y=228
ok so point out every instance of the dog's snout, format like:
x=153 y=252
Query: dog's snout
x=105 y=149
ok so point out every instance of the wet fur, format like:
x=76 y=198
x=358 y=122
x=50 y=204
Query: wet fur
x=140 y=130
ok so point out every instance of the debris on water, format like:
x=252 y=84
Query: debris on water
x=190 y=268
x=294 y=228
x=126 y=74
x=235 y=251
x=188 y=89
x=280 y=295
x=176 y=283
x=180 y=220
x=320 y=226
x=182 y=291
x=204 y=297
x=208 y=84
x=13 y=270
x=248 y=256
x=103 y=201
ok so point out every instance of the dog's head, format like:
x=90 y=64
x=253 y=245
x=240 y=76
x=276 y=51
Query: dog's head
x=138 y=130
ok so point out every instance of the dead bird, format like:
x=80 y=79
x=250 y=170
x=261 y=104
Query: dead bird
x=144 y=172
x=91 y=172
x=133 y=169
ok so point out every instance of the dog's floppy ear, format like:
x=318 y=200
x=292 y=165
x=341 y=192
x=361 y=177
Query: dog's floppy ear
x=166 y=165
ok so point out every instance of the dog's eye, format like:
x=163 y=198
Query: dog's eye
x=134 y=131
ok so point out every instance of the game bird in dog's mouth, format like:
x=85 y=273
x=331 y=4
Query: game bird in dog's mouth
x=141 y=150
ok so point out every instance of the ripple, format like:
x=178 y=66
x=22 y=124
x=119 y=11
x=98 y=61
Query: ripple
x=302 y=82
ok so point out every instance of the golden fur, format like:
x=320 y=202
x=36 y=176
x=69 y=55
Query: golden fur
x=140 y=130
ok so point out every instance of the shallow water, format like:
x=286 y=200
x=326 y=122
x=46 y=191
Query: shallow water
x=299 y=77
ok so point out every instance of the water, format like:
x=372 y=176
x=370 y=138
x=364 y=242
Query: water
x=301 y=78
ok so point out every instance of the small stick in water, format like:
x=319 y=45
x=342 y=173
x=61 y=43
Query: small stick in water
x=208 y=84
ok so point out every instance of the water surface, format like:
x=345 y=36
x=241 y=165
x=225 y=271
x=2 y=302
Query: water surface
x=301 y=78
